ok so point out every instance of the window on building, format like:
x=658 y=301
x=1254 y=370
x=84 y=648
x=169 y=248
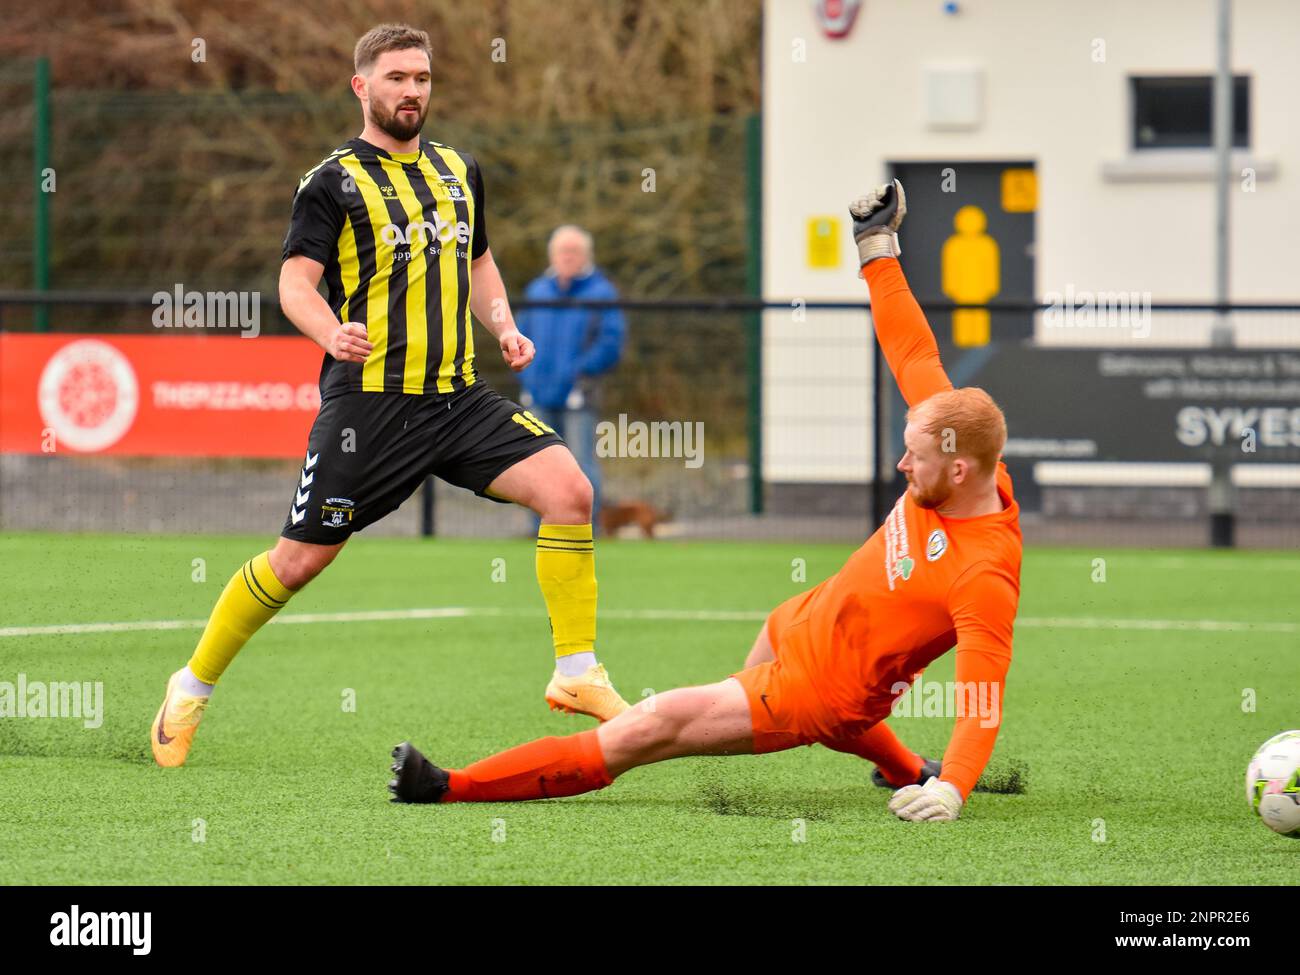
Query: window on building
x=1176 y=113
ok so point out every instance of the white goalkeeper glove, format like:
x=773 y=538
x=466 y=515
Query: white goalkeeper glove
x=936 y=801
x=876 y=219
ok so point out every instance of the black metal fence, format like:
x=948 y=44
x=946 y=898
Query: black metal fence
x=1113 y=441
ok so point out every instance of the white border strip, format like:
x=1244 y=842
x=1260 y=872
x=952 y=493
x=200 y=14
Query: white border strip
x=1090 y=473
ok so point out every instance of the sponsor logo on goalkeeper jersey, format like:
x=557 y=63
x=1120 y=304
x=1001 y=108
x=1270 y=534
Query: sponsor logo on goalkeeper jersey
x=898 y=560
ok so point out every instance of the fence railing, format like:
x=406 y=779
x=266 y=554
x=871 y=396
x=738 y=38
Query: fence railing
x=1088 y=428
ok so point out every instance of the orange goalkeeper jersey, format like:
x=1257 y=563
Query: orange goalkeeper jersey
x=922 y=583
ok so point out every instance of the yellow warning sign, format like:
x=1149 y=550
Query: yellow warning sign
x=1019 y=190
x=823 y=242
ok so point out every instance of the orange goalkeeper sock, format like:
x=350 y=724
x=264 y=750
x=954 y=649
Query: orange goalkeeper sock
x=899 y=764
x=548 y=768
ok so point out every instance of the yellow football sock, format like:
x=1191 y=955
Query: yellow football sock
x=566 y=571
x=251 y=597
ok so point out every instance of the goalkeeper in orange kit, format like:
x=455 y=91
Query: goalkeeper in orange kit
x=942 y=571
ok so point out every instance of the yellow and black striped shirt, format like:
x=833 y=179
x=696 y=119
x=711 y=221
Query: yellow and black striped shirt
x=396 y=233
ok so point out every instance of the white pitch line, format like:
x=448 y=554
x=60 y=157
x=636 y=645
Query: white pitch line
x=682 y=615
x=1130 y=558
x=1225 y=565
x=132 y=627
x=1209 y=626
x=366 y=616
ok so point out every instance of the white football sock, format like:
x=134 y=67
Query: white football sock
x=192 y=685
x=575 y=664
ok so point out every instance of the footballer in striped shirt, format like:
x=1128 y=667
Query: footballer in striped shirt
x=395 y=226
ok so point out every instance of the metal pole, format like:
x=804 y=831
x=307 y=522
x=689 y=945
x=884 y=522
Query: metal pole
x=1222 y=122
x=1221 y=497
x=41 y=210
x=427 y=524
x=880 y=433
x=754 y=320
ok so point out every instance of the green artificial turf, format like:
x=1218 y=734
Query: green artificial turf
x=1135 y=734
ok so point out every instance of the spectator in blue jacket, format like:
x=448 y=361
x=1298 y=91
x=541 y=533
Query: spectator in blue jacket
x=575 y=346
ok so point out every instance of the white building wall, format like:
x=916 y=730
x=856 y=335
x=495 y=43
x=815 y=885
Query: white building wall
x=833 y=120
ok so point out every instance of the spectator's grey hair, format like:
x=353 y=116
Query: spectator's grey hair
x=586 y=239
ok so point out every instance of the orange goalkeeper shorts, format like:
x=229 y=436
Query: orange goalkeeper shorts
x=784 y=709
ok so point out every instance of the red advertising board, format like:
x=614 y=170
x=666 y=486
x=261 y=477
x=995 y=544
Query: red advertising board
x=157 y=395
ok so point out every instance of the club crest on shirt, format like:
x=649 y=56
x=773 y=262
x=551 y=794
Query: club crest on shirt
x=936 y=545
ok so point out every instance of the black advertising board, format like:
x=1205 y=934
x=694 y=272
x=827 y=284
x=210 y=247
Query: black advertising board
x=1163 y=405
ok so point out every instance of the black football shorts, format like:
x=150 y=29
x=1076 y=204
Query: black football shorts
x=368 y=452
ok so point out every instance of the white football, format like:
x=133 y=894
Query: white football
x=1272 y=786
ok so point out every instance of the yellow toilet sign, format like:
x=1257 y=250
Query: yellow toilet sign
x=1019 y=190
x=971 y=272
x=823 y=242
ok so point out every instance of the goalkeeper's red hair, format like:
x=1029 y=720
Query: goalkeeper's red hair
x=978 y=427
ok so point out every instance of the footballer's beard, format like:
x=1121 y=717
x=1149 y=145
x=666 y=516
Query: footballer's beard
x=402 y=126
x=931 y=499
